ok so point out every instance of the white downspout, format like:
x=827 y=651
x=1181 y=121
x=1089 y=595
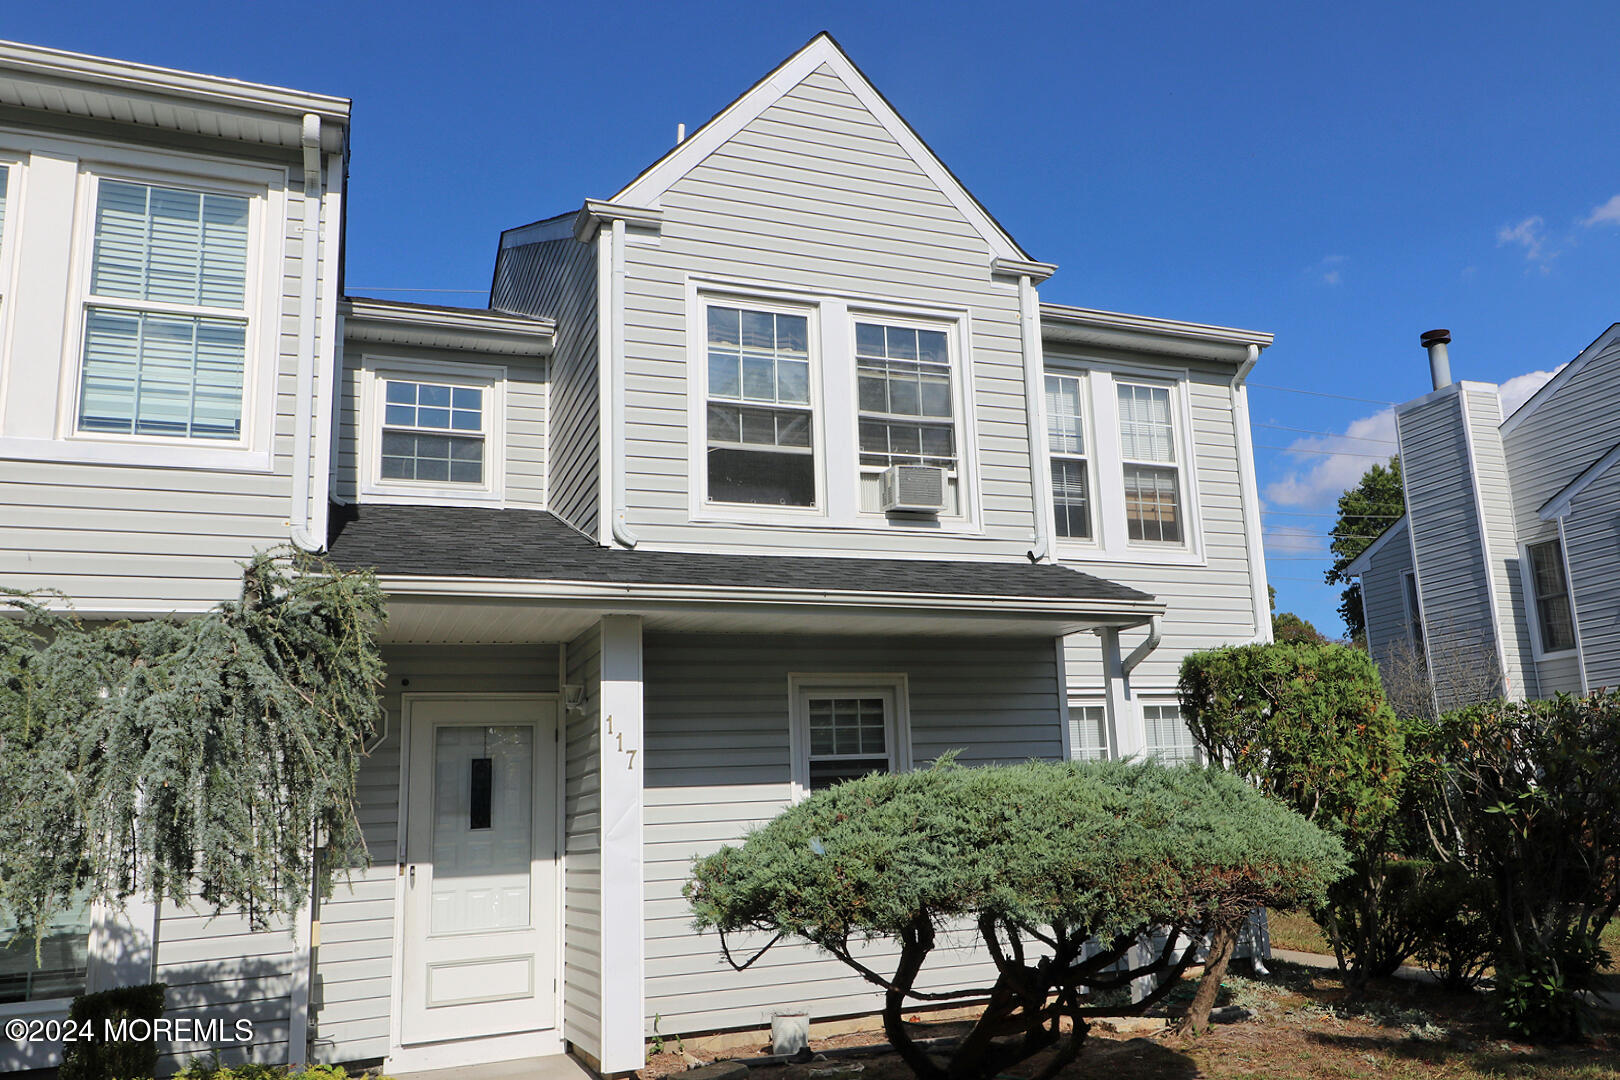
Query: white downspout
x=1261 y=594
x=616 y=361
x=1151 y=642
x=1040 y=469
x=309 y=262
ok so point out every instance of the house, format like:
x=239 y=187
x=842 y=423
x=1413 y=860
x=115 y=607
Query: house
x=1499 y=581
x=769 y=469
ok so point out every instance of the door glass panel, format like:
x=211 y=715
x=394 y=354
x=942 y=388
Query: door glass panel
x=483 y=824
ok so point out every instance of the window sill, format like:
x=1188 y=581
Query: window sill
x=198 y=457
x=430 y=496
x=866 y=525
x=1559 y=654
x=1141 y=556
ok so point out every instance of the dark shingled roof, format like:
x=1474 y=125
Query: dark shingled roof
x=454 y=541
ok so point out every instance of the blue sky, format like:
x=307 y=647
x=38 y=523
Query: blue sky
x=1344 y=176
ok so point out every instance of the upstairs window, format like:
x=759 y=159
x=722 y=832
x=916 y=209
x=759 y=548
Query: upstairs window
x=760 y=447
x=1555 y=620
x=1066 y=439
x=165 y=313
x=907 y=408
x=1147 y=436
x=433 y=433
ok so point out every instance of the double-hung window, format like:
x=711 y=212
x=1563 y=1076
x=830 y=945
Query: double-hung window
x=1088 y=732
x=5 y=184
x=844 y=727
x=57 y=970
x=166 y=313
x=1555 y=620
x=760 y=443
x=1169 y=739
x=433 y=432
x=907 y=411
x=1066 y=439
x=1147 y=435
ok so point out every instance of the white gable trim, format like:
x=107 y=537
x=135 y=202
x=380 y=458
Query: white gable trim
x=1363 y=562
x=647 y=189
x=1557 y=382
x=1559 y=504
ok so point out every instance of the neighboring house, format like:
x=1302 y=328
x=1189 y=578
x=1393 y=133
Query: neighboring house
x=1500 y=579
x=771 y=469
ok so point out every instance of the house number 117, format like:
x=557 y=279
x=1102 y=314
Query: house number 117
x=618 y=737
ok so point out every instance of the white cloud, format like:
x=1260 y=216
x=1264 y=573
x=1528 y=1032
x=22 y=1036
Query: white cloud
x=1607 y=214
x=1531 y=235
x=1329 y=268
x=1327 y=465
x=1519 y=389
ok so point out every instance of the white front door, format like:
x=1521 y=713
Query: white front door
x=479 y=877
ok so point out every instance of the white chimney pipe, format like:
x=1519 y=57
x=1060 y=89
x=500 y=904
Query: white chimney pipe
x=1439 y=358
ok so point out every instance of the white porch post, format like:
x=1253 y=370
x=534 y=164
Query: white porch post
x=623 y=928
x=1123 y=716
x=123 y=938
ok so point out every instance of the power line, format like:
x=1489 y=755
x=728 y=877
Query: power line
x=1323 y=513
x=370 y=288
x=1322 y=393
x=1324 y=434
x=1325 y=453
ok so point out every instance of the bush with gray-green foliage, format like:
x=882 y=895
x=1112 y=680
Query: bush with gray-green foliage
x=187 y=756
x=1038 y=858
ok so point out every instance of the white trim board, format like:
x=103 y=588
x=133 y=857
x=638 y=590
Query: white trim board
x=647 y=189
x=1559 y=381
x=1363 y=562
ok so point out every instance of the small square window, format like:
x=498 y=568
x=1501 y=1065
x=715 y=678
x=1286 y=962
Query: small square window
x=433 y=433
x=843 y=732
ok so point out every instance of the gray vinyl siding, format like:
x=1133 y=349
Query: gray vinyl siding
x=1383 y=597
x=526 y=417
x=582 y=847
x=1568 y=431
x=353 y=993
x=1497 y=527
x=816 y=197
x=718 y=761
x=556 y=279
x=1592 y=531
x=1444 y=520
x=131 y=538
x=219 y=968
x=1207 y=605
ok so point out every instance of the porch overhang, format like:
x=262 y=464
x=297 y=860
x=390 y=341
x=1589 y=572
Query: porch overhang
x=466 y=574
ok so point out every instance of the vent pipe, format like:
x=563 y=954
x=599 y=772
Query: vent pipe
x=1439 y=358
x=680 y=134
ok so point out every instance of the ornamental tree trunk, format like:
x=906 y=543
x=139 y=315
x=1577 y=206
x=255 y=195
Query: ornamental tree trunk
x=1222 y=943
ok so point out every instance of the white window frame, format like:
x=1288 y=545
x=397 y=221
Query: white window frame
x=1089 y=458
x=1409 y=592
x=1532 y=604
x=961 y=402
x=375 y=372
x=265 y=191
x=832 y=376
x=15 y=170
x=1110 y=743
x=1147 y=744
x=698 y=370
x=891 y=687
x=1111 y=542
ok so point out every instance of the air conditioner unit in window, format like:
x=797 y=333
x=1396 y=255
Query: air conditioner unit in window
x=912 y=489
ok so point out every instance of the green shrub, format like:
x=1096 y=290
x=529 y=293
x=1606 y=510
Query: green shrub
x=99 y=1059
x=1039 y=859
x=1308 y=724
x=197 y=1069
x=1527 y=802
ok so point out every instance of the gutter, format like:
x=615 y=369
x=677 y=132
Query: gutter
x=309 y=260
x=1140 y=653
x=1040 y=471
x=1260 y=593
